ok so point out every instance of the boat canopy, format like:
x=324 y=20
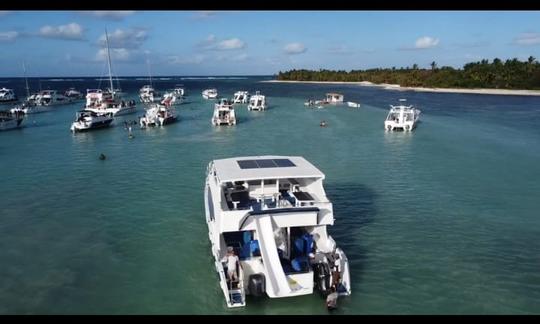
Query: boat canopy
x=265 y=167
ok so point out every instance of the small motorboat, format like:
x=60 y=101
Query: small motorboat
x=89 y=120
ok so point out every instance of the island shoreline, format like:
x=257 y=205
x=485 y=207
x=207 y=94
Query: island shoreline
x=397 y=87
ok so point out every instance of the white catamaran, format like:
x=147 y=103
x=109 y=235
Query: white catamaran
x=402 y=117
x=270 y=214
x=108 y=101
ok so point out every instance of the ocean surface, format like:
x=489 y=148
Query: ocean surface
x=443 y=220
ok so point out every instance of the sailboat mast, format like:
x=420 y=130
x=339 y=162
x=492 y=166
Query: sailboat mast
x=26 y=81
x=109 y=61
x=149 y=73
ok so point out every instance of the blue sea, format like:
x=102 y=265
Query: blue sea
x=443 y=220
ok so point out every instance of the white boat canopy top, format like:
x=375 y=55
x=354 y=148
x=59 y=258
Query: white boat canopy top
x=264 y=167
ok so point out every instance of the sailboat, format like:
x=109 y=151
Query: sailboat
x=108 y=101
x=30 y=106
x=147 y=93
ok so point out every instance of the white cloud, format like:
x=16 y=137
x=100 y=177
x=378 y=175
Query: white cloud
x=117 y=54
x=294 y=48
x=4 y=12
x=71 y=31
x=426 y=42
x=527 y=39
x=110 y=14
x=211 y=43
x=230 y=44
x=129 y=38
x=8 y=36
x=197 y=59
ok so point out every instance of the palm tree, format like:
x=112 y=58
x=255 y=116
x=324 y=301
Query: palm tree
x=531 y=59
x=433 y=66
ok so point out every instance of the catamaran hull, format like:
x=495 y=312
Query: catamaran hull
x=8 y=101
x=80 y=127
x=114 y=111
x=10 y=124
x=216 y=122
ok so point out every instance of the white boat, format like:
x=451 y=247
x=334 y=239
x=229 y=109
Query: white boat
x=51 y=98
x=273 y=212
x=334 y=98
x=353 y=104
x=210 y=94
x=73 y=94
x=158 y=115
x=149 y=95
x=104 y=102
x=402 y=117
x=7 y=96
x=173 y=97
x=109 y=101
x=241 y=97
x=88 y=120
x=257 y=102
x=29 y=107
x=224 y=113
x=309 y=103
x=10 y=120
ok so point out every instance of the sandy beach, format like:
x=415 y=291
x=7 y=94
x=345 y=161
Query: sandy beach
x=397 y=87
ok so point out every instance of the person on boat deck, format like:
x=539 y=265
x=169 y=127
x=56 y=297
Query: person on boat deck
x=337 y=270
x=232 y=260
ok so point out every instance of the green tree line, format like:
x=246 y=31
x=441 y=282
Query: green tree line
x=510 y=74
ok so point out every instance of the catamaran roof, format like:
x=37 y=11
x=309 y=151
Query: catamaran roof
x=265 y=167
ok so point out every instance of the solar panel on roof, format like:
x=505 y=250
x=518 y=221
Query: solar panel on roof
x=282 y=163
x=247 y=164
x=265 y=163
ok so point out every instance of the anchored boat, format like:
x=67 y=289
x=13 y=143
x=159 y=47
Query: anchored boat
x=402 y=117
x=241 y=97
x=257 y=102
x=267 y=219
x=89 y=120
x=224 y=113
x=210 y=94
x=158 y=115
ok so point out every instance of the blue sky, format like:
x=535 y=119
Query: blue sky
x=70 y=43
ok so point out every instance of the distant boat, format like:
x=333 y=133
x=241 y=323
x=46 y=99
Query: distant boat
x=51 y=98
x=109 y=101
x=257 y=102
x=148 y=94
x=241 y=97
x=7 y=96
x=158 y=115
x=353 y=104
x=10 y=120
x=210 y=94
x=402 y=117
x=334 y=98
x=224 y=113
x=73 y=94
x=173 y=97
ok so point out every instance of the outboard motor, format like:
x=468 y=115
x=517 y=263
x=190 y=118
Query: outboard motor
x=322 y=277
x=257 y=285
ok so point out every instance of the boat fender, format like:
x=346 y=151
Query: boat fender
x=257 y=284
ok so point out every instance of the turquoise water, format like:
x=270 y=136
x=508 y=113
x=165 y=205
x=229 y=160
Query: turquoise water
x=440 y=221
